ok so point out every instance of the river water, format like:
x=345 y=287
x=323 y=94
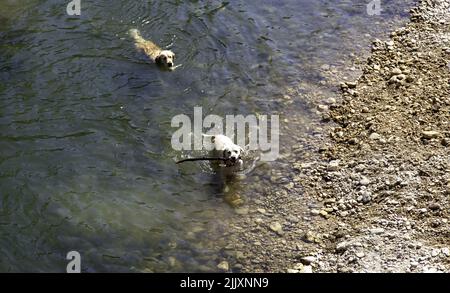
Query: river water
x=86 y=162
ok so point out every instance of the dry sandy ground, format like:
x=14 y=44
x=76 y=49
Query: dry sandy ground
x=377 y=170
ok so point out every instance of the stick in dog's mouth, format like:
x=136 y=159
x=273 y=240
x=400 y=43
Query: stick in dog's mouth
x=201 y=159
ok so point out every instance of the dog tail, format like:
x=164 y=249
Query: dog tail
x=136 y=35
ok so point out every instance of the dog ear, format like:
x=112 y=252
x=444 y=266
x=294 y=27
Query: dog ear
x=158 y=59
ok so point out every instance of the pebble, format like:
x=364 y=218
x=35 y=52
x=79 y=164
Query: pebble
x=396 y=71
x=324 y=214
x=342 y=246
x=241 y=211
x=259 y=221
x=307 y=270
x=376 y=231
x=446 y=251
x=353 y=141
x=429 y=134
x=315 y=212
x=262 y=211
x=435 y=252
x=331 y=101
x=292 y=271
x=351 y=84
x=322 y=108
x=366 y=197
x=375 y=136
x=360 y=254
x=434 y=206
x=223 y=266
x=276 y=227
x=333 y=165
x=364 y=181
x=429 y=270
x=298 y=266
x=308 y=260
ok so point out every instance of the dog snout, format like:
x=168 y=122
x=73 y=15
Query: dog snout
x=170 y=64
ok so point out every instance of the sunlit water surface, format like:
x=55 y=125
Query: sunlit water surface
x=86 y=162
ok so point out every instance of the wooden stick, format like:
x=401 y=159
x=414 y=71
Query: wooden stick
x=201 y=159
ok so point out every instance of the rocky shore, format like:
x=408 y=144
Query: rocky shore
x=370 y=192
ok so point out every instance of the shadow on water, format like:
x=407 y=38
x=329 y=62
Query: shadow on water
x=86 y=162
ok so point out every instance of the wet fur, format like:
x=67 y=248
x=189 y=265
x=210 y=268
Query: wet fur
x=153 y=51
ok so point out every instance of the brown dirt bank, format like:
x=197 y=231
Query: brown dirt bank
x=380 y=176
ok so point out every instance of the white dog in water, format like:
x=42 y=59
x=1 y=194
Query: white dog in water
x=164 y=58
x=225 y=148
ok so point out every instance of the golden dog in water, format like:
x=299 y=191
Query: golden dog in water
x=161 y=57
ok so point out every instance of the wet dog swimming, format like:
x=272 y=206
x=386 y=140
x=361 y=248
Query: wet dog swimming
x=163 y=58
x=224 y=150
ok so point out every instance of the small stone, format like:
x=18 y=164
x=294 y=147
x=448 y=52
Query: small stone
x=333 y=165
x=360 y=254
x=315 y=212
x=396 y=71
x=238 y=266
x=429 y=270
x=353 y=141
x=342 y=246
x=351 y=85
x=241 y=211
x=262 y=211
x=276 y=227
x=434 y=206
x=223 y=266
x=292 y=271
x=324 y=214
x=259 y=221
x=307 y=270
x=435 y=252
x=331 y=101
x=366 y=197
x=344 y=214
x=445 y=251
x=172 y=261
x=325 y=67
x=429 y=134
x=240 y=255
x=376 y=231
x=308 y=260
x=298 y=266
x=364 y=181
x=375 y=136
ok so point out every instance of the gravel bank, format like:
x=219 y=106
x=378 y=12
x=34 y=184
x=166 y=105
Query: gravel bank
x=371 y=194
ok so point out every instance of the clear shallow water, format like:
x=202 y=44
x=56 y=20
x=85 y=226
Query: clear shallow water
x=86 y=162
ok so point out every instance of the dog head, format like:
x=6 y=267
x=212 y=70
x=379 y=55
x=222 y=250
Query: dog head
x=233 y=154
x=166 y=58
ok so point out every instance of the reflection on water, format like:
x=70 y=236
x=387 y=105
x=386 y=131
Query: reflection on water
x=86 y=162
